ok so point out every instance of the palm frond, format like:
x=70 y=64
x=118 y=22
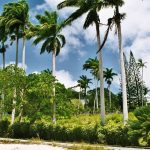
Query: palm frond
x=63 y=40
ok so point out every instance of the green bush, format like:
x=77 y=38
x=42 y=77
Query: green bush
x=114 y=134
x=87 y=129
x=20 y=130
x=139 y=130
x=4 y=125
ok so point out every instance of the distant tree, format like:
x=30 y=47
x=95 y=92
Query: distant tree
x=135 y=90
x=142 y=65
x=93 y=66
x=108 y=75
x=84 y=84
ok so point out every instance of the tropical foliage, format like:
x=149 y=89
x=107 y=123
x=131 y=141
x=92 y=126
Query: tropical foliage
x=31 y=103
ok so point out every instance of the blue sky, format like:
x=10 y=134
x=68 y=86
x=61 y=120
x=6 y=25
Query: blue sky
x=82 y=44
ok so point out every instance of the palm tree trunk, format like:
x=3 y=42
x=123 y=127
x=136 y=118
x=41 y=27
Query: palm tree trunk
x=85 y=98
x=142 y=89
x=14 y=107
x=21 y=114
x=3 y=95
x=17 y=45
x=94 y=105
x=15 y=90
x=101 y=76
x=80 y=94
x=109 y=96
x=123 y=75
x=23 y=52
x=3 y=60
x=53 y=73
x=96 y=94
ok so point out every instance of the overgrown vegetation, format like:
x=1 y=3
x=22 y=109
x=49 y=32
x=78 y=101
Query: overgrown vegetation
x=86 y=128
x=36 y=105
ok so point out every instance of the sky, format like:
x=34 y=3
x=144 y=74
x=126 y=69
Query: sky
x=81 y=44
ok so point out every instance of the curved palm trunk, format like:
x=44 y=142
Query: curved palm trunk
x=15 y=90
x=123 y=75
x=53 y=73
x=23 y=52
x=101 y=76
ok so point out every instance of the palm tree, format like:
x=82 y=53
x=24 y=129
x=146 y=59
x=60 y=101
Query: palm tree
x=92 y=7
x=108 y=75
x=142 y=65
x=93 y=66
x=116 y=19
x=84 y=84
x=15 y=17
x=48 y=32
x=3 y=51
x=3 y=39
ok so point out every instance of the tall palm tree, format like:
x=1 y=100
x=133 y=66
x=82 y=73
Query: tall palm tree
x=142 y=65
x=108 y=75
x=3 y=39
x=3 y=51
x=84 y=84
x=48 y=32
x=116 y=19
x=93 y=66
x=14 y=17
x=92 y=7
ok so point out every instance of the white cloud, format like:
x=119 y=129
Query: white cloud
x=66 y=78
x=135 y=30
x=36 y=72
x=13 y=63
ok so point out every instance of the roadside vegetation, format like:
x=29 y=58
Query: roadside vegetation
x=37 y=106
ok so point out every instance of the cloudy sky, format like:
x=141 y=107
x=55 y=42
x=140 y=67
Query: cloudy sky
x=81 y=44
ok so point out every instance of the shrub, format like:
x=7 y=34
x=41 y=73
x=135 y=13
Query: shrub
x=114 y=134
x=20 y=130
x=4 y=124
x=139 y=130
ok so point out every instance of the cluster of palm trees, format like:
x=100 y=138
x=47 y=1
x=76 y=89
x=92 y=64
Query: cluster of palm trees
x=93 y=66
x=92 y=7
x=14 y=23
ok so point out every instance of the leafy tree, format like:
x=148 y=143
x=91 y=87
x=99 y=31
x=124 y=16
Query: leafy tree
x=39 y=94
